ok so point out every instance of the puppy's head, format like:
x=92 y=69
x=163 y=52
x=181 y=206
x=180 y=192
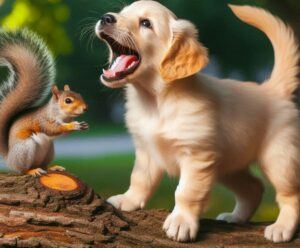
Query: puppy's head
x=147 y=40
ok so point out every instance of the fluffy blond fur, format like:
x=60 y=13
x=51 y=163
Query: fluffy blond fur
x=205 y=129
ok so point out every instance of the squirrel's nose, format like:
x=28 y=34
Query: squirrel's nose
x=85 y=109
x=108 y=19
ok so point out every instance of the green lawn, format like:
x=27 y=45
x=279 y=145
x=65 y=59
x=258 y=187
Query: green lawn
x=110 y=175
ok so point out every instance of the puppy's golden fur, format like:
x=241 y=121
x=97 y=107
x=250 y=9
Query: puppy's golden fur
x=206 y=129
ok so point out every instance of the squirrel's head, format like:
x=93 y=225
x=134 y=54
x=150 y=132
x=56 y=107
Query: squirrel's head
x=70 y=104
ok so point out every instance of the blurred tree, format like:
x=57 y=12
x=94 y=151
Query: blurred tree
x=68 y=28
x=45 y=17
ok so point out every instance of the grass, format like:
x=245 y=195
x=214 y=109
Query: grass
x=110 y=175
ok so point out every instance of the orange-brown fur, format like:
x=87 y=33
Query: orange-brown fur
x=29 y=81
x=36 y=129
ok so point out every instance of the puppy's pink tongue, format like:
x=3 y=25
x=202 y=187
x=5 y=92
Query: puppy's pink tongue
x=121 y=64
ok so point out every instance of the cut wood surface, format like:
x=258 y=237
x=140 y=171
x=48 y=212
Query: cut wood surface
x=58 y=210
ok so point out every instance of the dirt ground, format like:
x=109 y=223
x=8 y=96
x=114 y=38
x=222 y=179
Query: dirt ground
x=34 y=215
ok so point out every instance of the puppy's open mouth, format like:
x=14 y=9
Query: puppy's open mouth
x=124 y=60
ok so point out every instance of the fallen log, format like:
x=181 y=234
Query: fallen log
x=59 y=210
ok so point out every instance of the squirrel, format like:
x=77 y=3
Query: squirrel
x=27 y=124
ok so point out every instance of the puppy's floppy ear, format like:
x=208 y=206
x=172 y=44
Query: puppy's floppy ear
x=186 y=56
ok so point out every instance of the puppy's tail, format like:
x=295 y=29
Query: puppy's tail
x=283 y=80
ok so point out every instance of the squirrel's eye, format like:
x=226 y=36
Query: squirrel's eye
x=146 y=23
x=68 y=100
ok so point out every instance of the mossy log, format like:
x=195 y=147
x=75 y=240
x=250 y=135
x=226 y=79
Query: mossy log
x=59 y=210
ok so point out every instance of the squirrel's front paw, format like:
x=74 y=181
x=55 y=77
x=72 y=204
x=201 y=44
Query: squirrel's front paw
x=57 y=168
x=36 y=172
x=78 y=126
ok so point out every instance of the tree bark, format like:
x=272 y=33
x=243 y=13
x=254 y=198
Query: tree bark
x=58 y=210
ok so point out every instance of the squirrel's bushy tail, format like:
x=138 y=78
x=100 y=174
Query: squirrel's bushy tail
x=31 y=74
x=283 y=80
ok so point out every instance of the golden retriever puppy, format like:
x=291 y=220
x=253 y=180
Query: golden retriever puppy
x=202 y=128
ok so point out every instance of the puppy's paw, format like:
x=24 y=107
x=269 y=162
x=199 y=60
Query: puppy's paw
x=125 y=203
x=231 y=218
x=181 y=227
x=278 y=233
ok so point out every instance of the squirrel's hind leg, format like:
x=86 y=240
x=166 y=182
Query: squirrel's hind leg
x=48 y=157
x=22 y=155
x=45 y=154
x=36 y=172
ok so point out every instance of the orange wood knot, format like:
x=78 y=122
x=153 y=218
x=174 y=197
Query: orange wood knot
x=58 y=181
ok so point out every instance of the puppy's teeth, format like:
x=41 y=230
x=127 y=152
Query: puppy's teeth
x=104 y=71
x=132 y=64
x=113 y=66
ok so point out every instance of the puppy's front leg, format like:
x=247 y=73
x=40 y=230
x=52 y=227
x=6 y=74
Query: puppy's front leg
x=196 y=178
x=145 y=177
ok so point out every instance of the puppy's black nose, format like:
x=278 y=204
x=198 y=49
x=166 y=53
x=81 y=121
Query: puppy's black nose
x=108 y=19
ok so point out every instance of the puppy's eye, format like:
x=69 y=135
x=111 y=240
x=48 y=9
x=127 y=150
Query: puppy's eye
x=68 y=100
x=146 y=23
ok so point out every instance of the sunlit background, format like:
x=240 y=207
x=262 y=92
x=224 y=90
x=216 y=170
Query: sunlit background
x=103 y=156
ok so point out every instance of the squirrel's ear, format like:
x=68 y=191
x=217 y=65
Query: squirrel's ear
x=55 y=91
x=67 y=87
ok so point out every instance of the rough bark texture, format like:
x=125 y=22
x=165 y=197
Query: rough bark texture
x=32 y=215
